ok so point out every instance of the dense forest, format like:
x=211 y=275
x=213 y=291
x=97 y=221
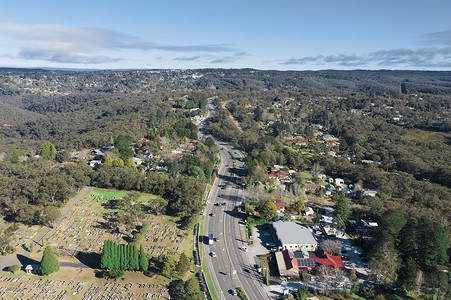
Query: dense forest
x=390 y=129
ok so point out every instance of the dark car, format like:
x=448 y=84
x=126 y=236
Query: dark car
x=233 y=292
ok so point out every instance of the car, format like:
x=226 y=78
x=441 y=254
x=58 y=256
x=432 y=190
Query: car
x=270 y=244
x=274 y=249
x=267 y=234
x=233 y=292
x=212 y=214
x=217 y=239
x=244 y=249
x=213 y=254
x=227 y=165
x=224 y=203
x=217 y=204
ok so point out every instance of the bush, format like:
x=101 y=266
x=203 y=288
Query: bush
x=113 y=274
x=241 y=293
x=14 y=268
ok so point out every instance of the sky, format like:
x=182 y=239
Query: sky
x=260 y=34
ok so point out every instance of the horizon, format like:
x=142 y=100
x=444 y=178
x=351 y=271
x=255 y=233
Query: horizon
x=289 y=36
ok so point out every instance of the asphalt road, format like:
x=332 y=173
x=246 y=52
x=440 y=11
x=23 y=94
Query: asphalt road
x=231 y=267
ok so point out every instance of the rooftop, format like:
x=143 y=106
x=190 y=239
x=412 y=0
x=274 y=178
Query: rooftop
x=293 y=233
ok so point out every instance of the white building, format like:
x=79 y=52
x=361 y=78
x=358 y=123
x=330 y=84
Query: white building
x=294 y=236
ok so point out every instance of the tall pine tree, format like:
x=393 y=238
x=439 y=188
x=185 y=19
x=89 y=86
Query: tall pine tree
x=134 y=258
x=183 y=264
x=123 y=259
x=143 y=261
x=49 y=262
x=105 y=255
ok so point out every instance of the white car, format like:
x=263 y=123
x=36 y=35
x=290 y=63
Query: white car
x=244 y=249
x=213 y=254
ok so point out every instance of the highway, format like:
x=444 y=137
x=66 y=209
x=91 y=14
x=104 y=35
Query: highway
x=231 y=267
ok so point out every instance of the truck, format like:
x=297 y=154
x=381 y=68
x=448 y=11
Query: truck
x=210 y=239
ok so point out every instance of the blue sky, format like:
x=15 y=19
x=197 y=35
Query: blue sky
x=282 y=35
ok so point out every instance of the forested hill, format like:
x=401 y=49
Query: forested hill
x=87 y=108
x=332 y=81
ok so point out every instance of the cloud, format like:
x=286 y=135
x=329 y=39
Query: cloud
x=423 y=57
x=62 y=57
x=229 y=59
x=436 y=38
x=321 y=60
x=191 y=58
x=69 y=44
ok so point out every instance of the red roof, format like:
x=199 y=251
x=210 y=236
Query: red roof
x=324 y=258
x=279 y=205
x=320 y=257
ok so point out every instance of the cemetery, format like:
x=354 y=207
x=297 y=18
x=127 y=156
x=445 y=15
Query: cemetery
x=83 y=230
x=72 y=283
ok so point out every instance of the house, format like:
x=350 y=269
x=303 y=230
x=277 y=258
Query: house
x=362 y=227
x=280 y=206
x=32 y=269
x=309 y=211
x=291 y=263
x=330 y=189
x=349 y=192
x=339 y=182
x=311 y=187
x=138 y=161
x=294 y=236
x=331 y=153
x=370 y=192
x=95 y=163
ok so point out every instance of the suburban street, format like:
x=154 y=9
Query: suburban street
x=231 y=267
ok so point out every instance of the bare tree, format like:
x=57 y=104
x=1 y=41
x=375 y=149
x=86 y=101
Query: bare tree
x=317 y=169
x=333 y=247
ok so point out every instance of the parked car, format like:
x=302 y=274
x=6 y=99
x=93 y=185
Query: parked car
x=244 y=249
x=213 y=254
x=212 y=214
x=270 y=244
x=233 y=292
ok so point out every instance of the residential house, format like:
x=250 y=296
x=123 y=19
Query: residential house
x=339 y=182
x=311 y=187
x=138 y=161
x=370 y=192
x=349 y=192
x=280 y=206
x=330 y=188
x=95 y=163
x=309 y=211
x=362 y=227
x=291 y=263
x=294 y=236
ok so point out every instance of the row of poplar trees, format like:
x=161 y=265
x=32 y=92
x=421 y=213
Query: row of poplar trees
x=123 y=257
